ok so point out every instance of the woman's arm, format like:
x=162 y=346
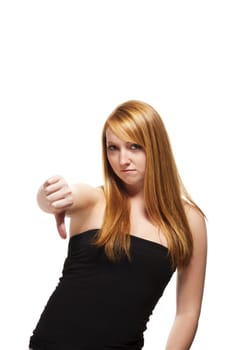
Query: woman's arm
x=190 y=286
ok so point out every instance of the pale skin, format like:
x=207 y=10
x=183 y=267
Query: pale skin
x=85 y=207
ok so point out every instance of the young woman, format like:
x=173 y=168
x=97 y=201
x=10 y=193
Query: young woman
x=126 y=240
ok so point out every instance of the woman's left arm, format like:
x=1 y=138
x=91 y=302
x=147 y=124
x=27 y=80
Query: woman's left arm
x=190 y=287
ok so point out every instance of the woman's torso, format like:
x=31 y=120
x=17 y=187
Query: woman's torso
x=99 y=304
x=103 y=305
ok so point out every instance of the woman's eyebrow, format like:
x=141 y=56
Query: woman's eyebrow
x=125 y=142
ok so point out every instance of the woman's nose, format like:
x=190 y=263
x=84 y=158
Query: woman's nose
x=124 y=157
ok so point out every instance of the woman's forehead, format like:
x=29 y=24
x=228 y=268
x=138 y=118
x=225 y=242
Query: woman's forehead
x=111 y=136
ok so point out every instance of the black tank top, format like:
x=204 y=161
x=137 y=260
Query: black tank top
x=101 y=305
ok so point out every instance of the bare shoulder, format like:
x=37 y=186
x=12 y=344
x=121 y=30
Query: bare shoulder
x=84 y=196
x=197 y=223
x=194 y=216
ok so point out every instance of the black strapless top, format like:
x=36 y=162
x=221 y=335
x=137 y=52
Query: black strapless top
x=101 y=305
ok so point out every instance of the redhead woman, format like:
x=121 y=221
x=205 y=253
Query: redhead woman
x=126 y=240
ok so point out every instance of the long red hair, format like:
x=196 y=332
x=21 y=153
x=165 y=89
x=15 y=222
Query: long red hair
x=164 y=192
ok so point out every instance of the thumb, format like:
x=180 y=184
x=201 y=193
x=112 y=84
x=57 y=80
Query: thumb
x=60 y=222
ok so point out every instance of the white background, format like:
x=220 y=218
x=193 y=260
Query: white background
x=64 y=66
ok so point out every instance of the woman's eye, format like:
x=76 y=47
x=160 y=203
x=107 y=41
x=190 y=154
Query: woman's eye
x=111 y=148
x=135 y=146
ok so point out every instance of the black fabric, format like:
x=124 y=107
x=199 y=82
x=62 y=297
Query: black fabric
x=101 y=305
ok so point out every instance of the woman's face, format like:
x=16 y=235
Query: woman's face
x=127 y=159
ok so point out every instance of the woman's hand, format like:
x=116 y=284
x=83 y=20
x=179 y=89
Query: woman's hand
x=57 y=193
x=55 y=197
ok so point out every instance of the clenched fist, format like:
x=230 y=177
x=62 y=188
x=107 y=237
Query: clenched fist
x=55 y=197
